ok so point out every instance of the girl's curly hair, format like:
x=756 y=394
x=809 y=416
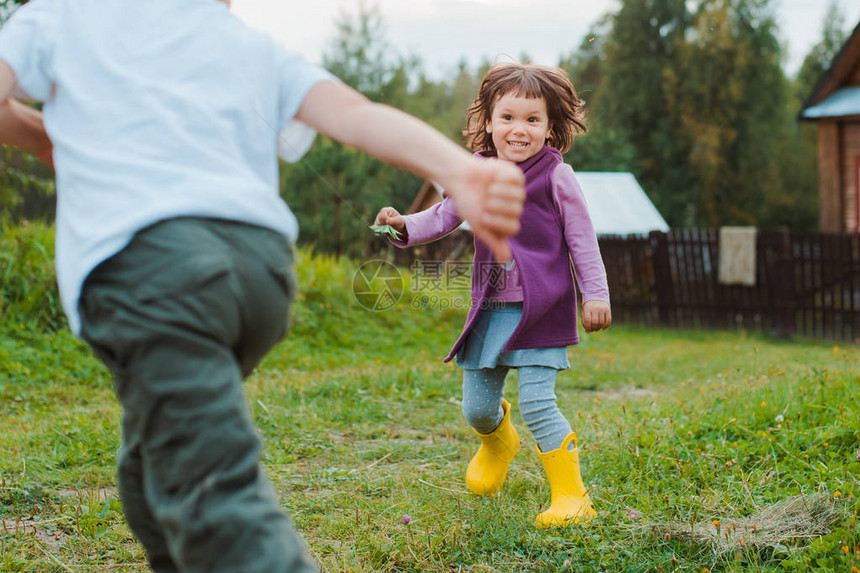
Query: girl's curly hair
x=564 y=107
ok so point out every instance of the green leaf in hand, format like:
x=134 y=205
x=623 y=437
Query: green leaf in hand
x=386 y=230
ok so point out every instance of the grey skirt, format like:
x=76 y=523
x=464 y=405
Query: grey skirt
x=492 y=330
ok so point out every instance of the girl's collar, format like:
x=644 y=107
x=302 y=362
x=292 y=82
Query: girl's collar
x=525 y=165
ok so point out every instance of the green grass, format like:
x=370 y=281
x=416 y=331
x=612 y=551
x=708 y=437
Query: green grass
x=362 y=426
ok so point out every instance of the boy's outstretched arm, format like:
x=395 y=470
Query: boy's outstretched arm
x=488 y=194
x=21 y=126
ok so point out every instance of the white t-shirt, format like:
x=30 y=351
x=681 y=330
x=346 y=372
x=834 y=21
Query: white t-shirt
x=157 y=109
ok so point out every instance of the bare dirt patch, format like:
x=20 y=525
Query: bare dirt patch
x=627 y=392
x=97 y=495
x=45 y=531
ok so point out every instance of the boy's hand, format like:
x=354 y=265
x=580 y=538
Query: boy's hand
x=596 y=315
x=489 y=195
x=390 y=216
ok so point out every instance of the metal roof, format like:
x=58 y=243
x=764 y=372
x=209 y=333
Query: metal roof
x=618 y=205
x=845 y=101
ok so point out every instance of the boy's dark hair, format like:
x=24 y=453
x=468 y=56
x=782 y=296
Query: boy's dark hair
x=563 y=106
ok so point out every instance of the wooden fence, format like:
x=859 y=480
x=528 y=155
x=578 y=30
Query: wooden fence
x=806 y=284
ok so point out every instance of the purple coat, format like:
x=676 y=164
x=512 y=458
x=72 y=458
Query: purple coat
x=556 y=230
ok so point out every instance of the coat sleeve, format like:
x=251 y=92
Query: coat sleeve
x=579 y=235
x=431 y=224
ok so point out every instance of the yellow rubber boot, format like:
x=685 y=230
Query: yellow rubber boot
x=489 y=466
x=570 y=503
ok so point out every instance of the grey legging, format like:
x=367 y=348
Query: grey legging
x=482 y=402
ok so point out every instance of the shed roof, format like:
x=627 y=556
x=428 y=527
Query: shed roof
x=618 y=205
x=843 y=102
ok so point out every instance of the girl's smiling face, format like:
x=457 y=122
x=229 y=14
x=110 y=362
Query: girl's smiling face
x=519 y=127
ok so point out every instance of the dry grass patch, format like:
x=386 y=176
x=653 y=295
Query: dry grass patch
x=773 y=527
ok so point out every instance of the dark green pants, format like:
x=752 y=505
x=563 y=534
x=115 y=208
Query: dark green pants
x=181 y=316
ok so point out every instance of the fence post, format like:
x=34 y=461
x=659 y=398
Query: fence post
x=785 y=321
x=662 y=276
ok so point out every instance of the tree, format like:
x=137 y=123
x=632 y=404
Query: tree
x=631 y=101
x=336 y=190
x=604 y=147
x=726 y=92
x=698 y=90
x=361 y=56
x=819 y=58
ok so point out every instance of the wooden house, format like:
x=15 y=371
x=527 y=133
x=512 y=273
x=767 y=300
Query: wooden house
x=834 y=106
x=427 y=196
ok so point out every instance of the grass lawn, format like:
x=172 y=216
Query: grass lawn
x=703 y=451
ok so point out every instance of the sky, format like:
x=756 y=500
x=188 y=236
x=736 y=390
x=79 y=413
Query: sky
x=444 y=32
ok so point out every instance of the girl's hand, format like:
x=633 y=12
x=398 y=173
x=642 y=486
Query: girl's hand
x=596 y=315
x=390 y=216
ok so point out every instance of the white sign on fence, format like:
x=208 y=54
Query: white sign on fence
x=737 y=256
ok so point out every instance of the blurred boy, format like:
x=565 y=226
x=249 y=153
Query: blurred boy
x=173 y=252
